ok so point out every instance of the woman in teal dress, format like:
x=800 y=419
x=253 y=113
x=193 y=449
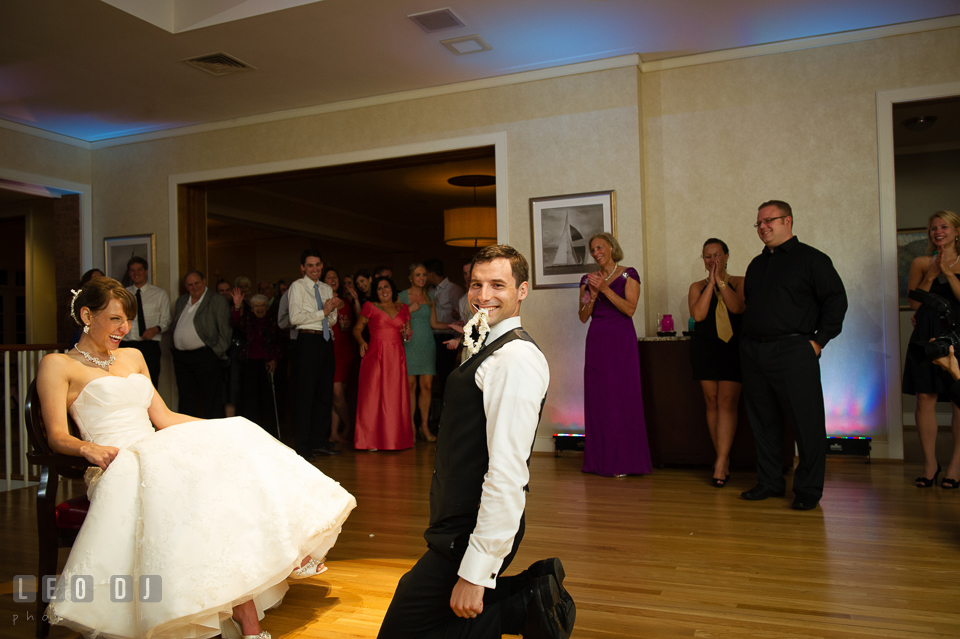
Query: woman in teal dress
x=421 y=348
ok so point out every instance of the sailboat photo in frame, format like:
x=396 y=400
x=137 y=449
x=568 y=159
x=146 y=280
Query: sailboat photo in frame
x=562 y=226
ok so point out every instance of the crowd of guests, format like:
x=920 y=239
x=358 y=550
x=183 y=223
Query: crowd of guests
x=348 y=360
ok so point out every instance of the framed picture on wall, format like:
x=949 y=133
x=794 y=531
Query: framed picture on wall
x=118 y=251
x=911 y=243
x=561 y=227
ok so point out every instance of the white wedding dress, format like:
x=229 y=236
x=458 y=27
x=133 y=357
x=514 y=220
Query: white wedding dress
x=219 y=509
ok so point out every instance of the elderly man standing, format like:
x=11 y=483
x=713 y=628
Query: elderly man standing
x=153 y=316
x=201 y=337
x=313 y=311
x=795 y=305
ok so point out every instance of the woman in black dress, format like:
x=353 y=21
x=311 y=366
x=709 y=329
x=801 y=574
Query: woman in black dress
x=936 y=273
x=716 y=304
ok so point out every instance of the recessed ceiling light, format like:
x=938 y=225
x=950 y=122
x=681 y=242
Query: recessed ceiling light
x=920 y=123
x=467 y=44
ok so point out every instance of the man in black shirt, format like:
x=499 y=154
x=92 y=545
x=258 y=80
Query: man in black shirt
x=795 y=305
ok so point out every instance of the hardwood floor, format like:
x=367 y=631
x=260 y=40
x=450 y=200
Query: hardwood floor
x=665 y=555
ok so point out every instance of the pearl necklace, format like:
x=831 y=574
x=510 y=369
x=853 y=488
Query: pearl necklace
x=615 y=267
x=102 y=363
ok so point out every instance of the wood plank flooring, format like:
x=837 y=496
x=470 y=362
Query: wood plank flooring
x=665 y=555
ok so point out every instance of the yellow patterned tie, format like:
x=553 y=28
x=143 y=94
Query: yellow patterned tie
x=724 y=329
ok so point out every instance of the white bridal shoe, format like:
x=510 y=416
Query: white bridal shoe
x=310 y=569
x=230 y=629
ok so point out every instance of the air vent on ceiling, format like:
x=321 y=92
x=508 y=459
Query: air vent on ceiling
x=218 y=64
x=431 y=21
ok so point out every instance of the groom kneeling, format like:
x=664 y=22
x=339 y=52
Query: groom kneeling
x=491 y=408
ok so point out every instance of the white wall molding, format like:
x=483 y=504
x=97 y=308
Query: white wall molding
x=888 y=248
x=43 y=133
x=799 y=44
x=522 y=77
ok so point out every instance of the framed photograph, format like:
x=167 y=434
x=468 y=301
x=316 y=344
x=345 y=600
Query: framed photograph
x=562 y=227
x=911 y=243
x=118 y=251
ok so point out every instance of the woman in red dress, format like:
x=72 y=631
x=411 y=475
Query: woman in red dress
x=383 y=400
x=340 y=424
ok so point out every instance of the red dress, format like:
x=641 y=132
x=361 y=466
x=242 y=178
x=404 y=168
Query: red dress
x=383 y=400
x=343 y=345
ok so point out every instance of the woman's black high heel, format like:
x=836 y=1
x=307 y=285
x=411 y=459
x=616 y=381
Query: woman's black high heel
x=719 y=483
x=923 y=482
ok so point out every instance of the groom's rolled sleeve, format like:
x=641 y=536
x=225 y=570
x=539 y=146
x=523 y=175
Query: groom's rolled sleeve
x=514 y=382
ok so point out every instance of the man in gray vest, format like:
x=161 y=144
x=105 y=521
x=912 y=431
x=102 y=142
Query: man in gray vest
x=491 y=408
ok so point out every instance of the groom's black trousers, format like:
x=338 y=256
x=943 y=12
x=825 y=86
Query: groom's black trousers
x=421 y=606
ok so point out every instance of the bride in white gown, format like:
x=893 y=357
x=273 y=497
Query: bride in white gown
x=219 y=510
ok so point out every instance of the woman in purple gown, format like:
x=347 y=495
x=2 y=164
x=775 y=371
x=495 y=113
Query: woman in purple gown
x=616 y=434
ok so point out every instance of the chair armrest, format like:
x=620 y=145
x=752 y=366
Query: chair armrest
x=57 y=459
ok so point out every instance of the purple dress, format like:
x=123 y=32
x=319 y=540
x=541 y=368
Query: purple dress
x=616 y=433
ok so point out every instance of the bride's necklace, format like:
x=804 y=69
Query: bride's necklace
x=102 y=363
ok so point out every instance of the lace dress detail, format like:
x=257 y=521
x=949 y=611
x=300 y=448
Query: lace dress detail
x=219 y=509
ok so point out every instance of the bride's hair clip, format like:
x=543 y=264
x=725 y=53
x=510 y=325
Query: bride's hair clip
x=73 y=300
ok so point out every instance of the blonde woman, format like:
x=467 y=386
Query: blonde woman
x=935 y=273
x=616 y=433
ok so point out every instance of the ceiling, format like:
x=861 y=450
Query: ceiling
x=92 y=71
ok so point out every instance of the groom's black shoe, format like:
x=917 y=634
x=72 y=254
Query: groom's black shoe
x=761 y=492
x=566 y=609
x=545 y=609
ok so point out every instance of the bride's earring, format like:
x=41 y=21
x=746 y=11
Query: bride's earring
x=86 y=329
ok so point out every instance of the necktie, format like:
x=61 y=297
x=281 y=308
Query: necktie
x=724 y=329
x=326 y=324
x=141 y=320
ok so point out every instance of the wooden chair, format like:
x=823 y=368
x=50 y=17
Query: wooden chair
x=57 y=525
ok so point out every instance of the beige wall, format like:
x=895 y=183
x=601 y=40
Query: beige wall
x=25 y=153
x=715 y=140
x=721 y=138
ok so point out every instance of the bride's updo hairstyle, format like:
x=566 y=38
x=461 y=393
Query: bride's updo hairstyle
x=97 y=295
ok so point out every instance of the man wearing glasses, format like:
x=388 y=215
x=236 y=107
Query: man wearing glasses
x=795 y=305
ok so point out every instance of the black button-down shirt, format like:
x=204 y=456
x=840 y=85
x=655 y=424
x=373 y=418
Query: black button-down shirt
x=793 y=289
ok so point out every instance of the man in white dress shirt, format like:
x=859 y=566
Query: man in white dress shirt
x=313 y=311
x=201 y=337
x=492 y=406
x=153 y=316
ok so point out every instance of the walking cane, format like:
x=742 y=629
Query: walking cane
x=273 y=393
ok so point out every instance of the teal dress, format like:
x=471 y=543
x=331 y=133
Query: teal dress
x=421 y=349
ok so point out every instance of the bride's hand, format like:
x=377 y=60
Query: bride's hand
x=99 y=455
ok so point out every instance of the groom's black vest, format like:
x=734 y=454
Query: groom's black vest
x=462 y=456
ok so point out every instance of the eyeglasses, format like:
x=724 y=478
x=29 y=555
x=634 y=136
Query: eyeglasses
x=768 y=221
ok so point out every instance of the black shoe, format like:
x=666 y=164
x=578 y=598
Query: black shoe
x=566 y=609
x=719 y=483
x=543 y=620
x=804 y=503
x=761 y=492
x=924 y=482
x=327 y=450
